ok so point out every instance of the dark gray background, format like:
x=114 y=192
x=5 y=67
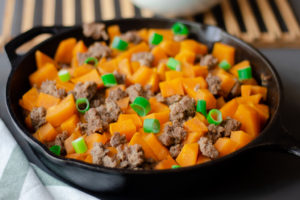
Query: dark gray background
x=275 y=175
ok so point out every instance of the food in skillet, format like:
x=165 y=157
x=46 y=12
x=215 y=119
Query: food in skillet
x=149 y=99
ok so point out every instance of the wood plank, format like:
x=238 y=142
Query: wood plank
x=107 y=9
x=289 y=18
x=147 y=13
x=88 y=11
x=209 y=18
x=230 y=20
x=68 y=12
x=48 y=12
x=7 y=21
x=268 y=16
x=28 y=14
x=127 y=9
x=253 y=32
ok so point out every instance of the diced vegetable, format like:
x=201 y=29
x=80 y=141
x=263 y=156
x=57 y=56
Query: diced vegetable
x=174 y=64
x=125 y=127
x=188 y=155
x=64 y=50
x=55 y=149
x=91 y=60
x=201 y=107
x=214 y=117
x=79 y=145
x=119 y=44
x=109 y=80
x=245 y=73
x=155 y=39
x=64 y=75
x=175 y=166
x=151 y=126
x=82 y=105
x=180 y=29
x=224 y=65
x=141 y=106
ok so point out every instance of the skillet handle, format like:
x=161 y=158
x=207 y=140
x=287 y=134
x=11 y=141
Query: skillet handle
x=13 y=45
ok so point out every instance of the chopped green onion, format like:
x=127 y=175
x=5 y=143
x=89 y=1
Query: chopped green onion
x=151 y=126
x=79 y=145
x=174 y=64
x=155 y=39
x=91 y=60
x=55 y=149
x=82 y=105
x=141 y=106
x=109 y=80
x=64 y=75
x=175 y=166
x=201 y=107
x=119 y=44
x=245 y=73
x=214 y=117
x=224 y=65
x=180 y=29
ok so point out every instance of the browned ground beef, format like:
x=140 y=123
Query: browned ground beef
x=236 y=89
x=136 y=90
x=130 y=157
x=100 y=156
x=172 y=134
x=38 y=117
x=215 y=132
x=229 y=125
x=98 y=99
x=183 y=109
x=94 y=122
x=120 y=78
x=175 y=150
x=117 y=139
x=49 y=87
x=117 y=94
x=131 y=36
x=173 y=99
x=60 y=139
x=209 y=61
x=207 y=148
x=214 y=84
x=85 y=90
x=179 y=38
x=96 y=50
x=144 y=58
x=95 y=30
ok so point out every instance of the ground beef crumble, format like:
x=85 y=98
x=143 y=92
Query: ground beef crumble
x=85 y=90
x=117 y=139
x=95 y=30
x=49 y=87
x=38 y=117
x=120 y=78
x=131 y=36
x=173 y=134
x=130 y=156
x=60 y=139
x=214 y=84
x=175 y=150
x=144 y=58
x=97 y=50
x=100 y=156
x=117 y=94
x=207 y=148
x=179 y=38
x=136 y=90
x=182 y=110
x=209 y=60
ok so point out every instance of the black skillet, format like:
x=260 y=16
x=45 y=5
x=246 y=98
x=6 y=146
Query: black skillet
x=106 y=180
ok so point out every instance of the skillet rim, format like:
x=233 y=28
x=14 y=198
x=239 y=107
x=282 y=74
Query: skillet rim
x=115 y=171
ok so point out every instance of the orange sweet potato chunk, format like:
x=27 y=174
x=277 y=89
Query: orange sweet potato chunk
x=138 y=139
x=125 y=127
x=186 y=56
x=194 y=46
x=42 y=59
x=47 y=133
x=225 y=146
x=224 y=52
x=93 y=76
x=47 y=72
x=205 y=94
x=240 y=138
x=95 y=138
x=134 y=117
x=234 y=70
x=160 y=151
x=123 y=103
x=158 y=54
x=170 y=47
x=142 y=75
x=29 y=99
x=156 y=106
x=70 y=124
x=188 y=155
x=166 y=163
x=248 y=90
x=169 y=88
x=162 y=117
x=229 y=108
x=79 y=48
x=68 y=142
x=46 y=100
x=193 y=83
x=192 y=137
x=195 y=125
x=57 y=114
x=64 y=51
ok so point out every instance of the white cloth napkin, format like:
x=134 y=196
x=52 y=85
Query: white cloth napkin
x=22 y=180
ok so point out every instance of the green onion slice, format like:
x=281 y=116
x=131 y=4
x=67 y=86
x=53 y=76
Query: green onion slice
x=109 y=80
x=180 y=29
x=175 y=166
x=224 y=65
x=82 y=105
x=141 y=106
x=155 y=39
x=55 y=149
x=173 y=64
x=245 y=73
x=64 y=75
x=151 y=126
x=119 y=44
x=201 y=107
x=91 y=60
x=79 y=145
x=214 y=117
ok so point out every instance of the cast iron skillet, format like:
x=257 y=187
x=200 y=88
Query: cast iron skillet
x=101 y=179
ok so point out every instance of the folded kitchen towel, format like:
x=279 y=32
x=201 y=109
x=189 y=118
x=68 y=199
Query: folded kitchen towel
x=20 y=179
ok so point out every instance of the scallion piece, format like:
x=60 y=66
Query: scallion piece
x=55 y=149
x=64 y=75
x=175 y=166
x=82 y=105
x=201 y=107
x=91 y=60
x=180 y=29
x=109 y=80
x=151 y=126
x=245 y=73
x=141 y=106
x=214 y=117
x=155 y=39
x=79 y=145
x=119 y=44
x=224 y=65
x=173 y=64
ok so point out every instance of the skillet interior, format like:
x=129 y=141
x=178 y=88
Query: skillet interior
x=107 y=180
